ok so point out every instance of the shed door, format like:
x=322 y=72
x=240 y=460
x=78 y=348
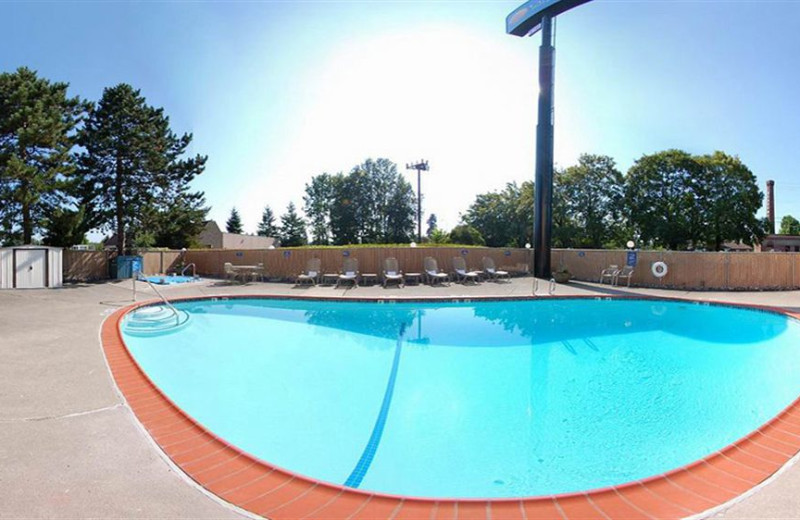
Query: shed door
x=30 y=268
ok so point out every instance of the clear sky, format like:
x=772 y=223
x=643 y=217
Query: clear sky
x=276 y=92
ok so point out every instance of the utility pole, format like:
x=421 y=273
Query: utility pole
x=420 y=166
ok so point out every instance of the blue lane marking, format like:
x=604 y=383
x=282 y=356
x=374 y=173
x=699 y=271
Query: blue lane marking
x=358 y=473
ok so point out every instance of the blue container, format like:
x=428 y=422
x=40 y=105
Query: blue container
x=127 y=267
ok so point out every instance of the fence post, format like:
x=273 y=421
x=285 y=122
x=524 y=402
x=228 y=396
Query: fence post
x=727 y=270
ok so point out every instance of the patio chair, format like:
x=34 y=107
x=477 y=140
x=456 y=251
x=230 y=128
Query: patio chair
x=491 y=271
x=462 y=275
x=432 y=272
x=259 y=272
x=609 y=272
x=230 y=272
x=349 y=272
x=312 y=274
x=392 y=272
x=625 y=272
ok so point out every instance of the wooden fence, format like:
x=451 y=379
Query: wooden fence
x=690 y=270
x=85 y=266
x=686 y=270
x=288 y=263
x=159 y=262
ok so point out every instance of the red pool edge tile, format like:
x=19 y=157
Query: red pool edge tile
x=254 y=485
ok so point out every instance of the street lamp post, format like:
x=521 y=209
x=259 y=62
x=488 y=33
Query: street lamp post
x=420 y=167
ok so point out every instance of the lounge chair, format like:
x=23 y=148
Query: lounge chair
x=625 y=272
x=462 y=275
x=432 y=272
x=609 y=272
x=312 y=274
x=491 y=271
x=392 y=272
x=349 y=272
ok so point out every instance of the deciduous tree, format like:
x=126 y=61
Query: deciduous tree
x=503 y=218
x=731 y=201
x=593 y=192
x=665 y=192
x=790 y=226
x=466 y=234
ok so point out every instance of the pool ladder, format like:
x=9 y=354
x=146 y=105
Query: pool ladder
x=551 y=287
x=163 y=298
x=187 y=266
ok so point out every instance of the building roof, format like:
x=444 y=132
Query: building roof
x=736 y=246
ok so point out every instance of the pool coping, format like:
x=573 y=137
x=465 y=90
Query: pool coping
x=257 y=486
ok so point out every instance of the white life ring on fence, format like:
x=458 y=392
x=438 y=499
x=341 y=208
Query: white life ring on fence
x=659 y=269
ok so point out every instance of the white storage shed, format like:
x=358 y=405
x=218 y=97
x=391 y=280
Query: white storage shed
x=30 y=267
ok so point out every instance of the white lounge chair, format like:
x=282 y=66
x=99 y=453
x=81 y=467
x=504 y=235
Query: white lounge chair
x=432 y=273
x=312 y=274
x=392 y=272
x=349 y=272
x=462 y=275
x=491 y=271
x=609 y=272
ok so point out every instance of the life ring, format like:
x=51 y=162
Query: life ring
x=659 y=269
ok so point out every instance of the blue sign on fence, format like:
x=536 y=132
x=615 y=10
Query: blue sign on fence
x=632 y=257
x=287 y=254
x=239 y=254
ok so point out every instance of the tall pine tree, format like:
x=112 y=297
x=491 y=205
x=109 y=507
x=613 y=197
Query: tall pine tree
x=234 y=222
x=293 y=228
x=38 y=125
x=132 y=163
x=267 y=227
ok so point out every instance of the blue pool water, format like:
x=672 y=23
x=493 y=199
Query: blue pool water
x=169 y=279
x=489 y=399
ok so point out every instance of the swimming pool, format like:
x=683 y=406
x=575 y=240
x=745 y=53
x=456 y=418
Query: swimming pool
x=488 y=399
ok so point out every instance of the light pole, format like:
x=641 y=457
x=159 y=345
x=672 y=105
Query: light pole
x=420 y=167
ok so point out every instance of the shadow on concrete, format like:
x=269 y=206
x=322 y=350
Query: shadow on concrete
x=602 y=289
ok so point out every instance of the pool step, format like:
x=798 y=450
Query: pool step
x=155 y=319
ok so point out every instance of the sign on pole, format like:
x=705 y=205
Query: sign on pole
x=527 y=18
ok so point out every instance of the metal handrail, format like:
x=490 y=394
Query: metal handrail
x=552 y=287
x=163 y=298
x=187 y=266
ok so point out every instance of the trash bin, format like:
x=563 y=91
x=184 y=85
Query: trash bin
x=123 y=267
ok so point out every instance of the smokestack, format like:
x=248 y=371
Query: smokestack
x=771 y=206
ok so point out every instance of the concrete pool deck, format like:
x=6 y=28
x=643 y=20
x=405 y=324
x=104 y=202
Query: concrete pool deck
x=72 y=448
